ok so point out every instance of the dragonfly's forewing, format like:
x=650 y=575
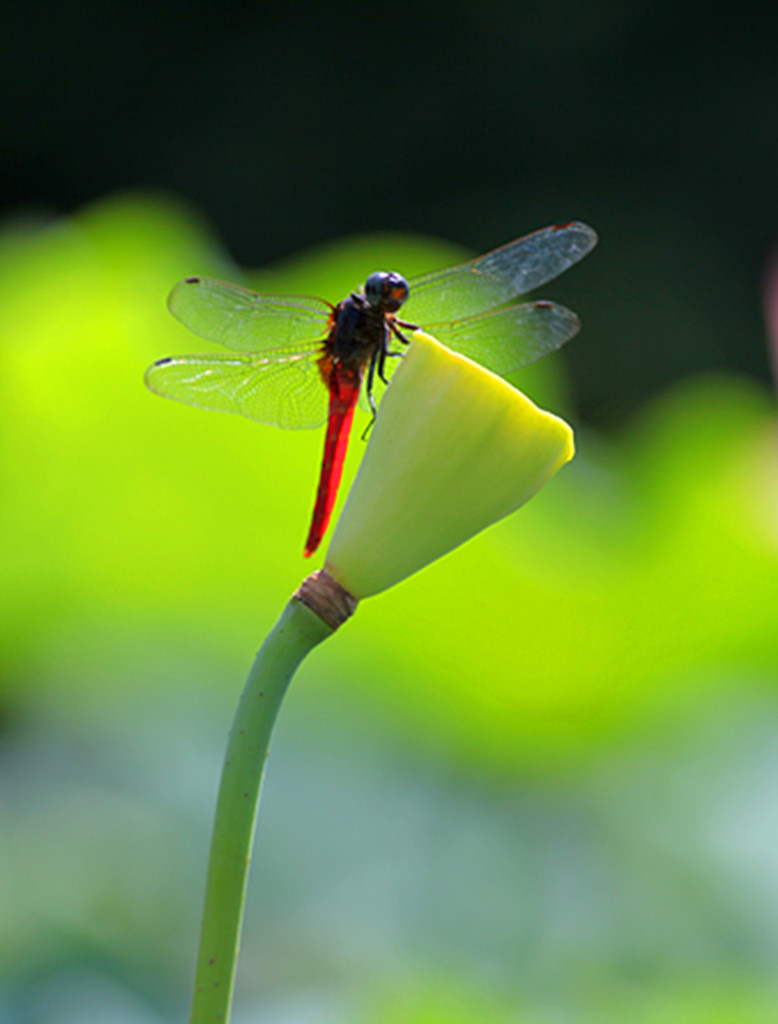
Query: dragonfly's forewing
x=499 y=276
x=282 y=391
x=507 y=339
x=244 y=320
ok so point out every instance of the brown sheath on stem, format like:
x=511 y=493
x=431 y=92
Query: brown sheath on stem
x=327 y=598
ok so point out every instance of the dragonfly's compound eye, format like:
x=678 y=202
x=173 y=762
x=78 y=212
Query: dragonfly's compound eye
x=386 y=290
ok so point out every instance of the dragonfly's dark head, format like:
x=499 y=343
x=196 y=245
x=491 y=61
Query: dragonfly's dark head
x=386 y=290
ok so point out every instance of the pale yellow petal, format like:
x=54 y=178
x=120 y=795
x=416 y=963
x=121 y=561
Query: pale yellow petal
x=454 y=449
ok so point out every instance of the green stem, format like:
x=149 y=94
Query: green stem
x=296 y=633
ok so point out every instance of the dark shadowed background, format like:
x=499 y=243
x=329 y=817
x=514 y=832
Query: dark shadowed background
x=289 y=125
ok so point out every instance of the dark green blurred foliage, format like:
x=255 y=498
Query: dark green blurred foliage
x=534 y=783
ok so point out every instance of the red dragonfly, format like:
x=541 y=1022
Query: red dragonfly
x=301 y=361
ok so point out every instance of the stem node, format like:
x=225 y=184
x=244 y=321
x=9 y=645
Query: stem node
x=327 y=598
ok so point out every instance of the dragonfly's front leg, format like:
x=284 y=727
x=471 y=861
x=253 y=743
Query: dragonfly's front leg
x=386 y=352
x=395 y=326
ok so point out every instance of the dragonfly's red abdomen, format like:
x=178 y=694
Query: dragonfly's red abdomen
x=344 y=384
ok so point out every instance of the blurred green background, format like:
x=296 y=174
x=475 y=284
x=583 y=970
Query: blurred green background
x=553 y=803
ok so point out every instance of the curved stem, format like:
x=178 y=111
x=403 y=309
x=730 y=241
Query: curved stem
x=296 y=633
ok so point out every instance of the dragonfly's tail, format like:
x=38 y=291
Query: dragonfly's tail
x=344 y=392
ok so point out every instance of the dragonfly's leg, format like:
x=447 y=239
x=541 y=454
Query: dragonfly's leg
x=386 y=352
x=374 y=360
x=382 y=353
x=395 y=326
x=371 y=371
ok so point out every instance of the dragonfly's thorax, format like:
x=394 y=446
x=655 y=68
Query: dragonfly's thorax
x=358 y=330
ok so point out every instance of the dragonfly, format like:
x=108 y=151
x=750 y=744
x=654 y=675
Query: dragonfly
x=297 y=361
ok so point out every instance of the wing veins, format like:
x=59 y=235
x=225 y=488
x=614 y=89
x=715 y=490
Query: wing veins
x=247 y=321
x=500 y=275
x=286 y=393
x=508 y=339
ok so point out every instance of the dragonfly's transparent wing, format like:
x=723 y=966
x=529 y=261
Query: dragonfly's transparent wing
x=499 y=276
x=246 y=321
x=285 y=391
x=506 y=340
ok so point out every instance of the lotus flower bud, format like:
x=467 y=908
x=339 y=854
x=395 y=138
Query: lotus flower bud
x=454 y=448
